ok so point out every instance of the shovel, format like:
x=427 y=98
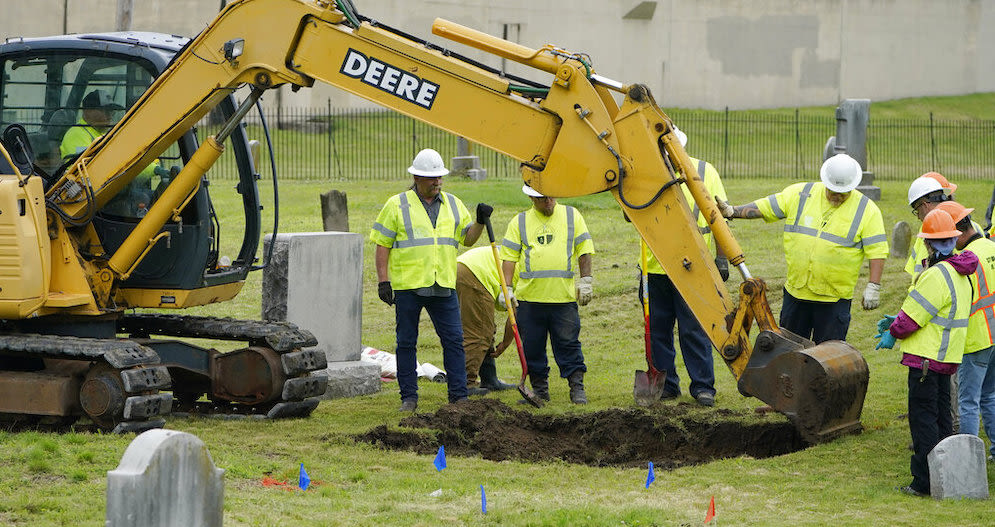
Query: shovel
x=527 y=393
x=648 y=385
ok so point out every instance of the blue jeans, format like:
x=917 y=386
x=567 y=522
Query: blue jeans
x=976 y=393
x=667 y=307
x=561 y=322
x=817 y=321
x=444 y=312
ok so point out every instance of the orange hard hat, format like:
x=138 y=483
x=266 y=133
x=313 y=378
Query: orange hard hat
x=948 y=187
x=955 y=210
x=938 y=225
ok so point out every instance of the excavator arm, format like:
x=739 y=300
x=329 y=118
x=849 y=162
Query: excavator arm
x=571 y=137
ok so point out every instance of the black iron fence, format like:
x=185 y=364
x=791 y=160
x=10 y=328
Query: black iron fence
x=332 y=144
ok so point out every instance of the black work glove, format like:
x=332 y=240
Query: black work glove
x=723 y=264
x=386 y=293
x=639 y=290
x=483 y=212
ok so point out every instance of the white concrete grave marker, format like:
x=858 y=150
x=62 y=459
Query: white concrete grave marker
x=166 y=478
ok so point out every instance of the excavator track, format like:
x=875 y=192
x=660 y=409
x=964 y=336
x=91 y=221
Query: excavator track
x=272 y=377
x=114 y=382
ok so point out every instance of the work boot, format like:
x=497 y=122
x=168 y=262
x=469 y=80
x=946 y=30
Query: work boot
x=474 y=391
x=408 y=405
x=540 y=387
x=576 y=382
x=489 y=378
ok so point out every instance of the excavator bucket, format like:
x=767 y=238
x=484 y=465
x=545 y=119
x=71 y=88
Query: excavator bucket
x=819 y=388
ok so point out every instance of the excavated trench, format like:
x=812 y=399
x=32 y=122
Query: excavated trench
x=670 y=436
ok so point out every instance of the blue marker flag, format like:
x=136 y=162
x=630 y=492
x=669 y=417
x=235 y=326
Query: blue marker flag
x=304 y=481
x=483 y=500
x=440 y=458
x=650 y=476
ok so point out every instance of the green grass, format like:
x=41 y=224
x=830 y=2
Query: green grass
x=50 y=479
x=60 y=479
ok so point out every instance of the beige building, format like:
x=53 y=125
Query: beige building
x=755 y=54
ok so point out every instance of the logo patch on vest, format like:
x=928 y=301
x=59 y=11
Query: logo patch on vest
x=390 y=79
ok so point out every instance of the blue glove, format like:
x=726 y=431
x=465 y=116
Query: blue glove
x=885 y=323
x=887 y=340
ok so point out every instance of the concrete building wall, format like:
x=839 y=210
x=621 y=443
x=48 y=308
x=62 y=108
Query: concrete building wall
x=735 y=53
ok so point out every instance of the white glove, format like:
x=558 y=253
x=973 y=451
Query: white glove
x=501 y=303
x=725 y=208
x=872 y=295
x=585 y=290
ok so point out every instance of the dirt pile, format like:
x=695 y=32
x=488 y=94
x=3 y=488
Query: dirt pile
x=668 y=435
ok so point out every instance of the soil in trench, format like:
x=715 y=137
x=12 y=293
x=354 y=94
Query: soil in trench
x=670 y=436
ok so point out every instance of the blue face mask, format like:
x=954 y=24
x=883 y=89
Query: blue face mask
x=944 y=247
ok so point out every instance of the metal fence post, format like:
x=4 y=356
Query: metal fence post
x=932 y=143
x=725 y=144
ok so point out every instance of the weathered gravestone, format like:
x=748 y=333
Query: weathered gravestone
x=957 y=468
x=166 y=478
x=335 y=211
x=315 y=280
x=901 y=240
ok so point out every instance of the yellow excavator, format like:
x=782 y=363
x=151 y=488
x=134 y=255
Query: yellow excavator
x=80 y=264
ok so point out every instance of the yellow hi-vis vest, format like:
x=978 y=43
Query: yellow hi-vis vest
x=824 y=246
x=480 y=262
x=77 y=138
x=981 y=327
x=713 y=185
x=940 y=302
x=421 y=255
x=546 y=250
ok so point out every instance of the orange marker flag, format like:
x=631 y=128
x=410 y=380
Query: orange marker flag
x=710 y=515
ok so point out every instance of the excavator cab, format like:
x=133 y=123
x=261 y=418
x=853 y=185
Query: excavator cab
x=45 y=88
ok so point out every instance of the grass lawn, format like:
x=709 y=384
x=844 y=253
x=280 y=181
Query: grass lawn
x=60 y=479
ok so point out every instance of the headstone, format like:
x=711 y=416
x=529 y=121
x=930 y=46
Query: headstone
x=315 y=280
x=335 y=211
x=957 y=468
x=465 y=163
x=352 y=378
x=901 y=240
x=165 y=478
x=852 y=116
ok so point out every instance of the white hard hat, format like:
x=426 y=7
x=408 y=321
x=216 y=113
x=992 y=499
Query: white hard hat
x=921 y=186
x=681 y=136
x=531 y=192
x=428 y=163
x=841 y=173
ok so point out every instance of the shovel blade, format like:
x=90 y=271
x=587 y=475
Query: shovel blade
x=648 y=387
x=529 y=396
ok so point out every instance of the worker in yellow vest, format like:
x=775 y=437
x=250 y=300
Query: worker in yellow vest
x=416 y=236
x=478 y=286
x=828 y=232
x=545 y=248
x=668 y=308
x=933 y=326
x=976 y=375
x=96 y=114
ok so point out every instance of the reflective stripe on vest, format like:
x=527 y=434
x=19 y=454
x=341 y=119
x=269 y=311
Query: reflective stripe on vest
x=409 y=230
x=849 y=241
x=528 y=273
x=985 y=301
x=948 y=322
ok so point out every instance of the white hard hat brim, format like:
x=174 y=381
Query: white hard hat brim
x=428 y=173
x=531 y=192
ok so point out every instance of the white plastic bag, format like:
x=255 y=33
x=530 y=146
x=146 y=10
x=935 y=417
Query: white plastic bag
x=387 y=361
x=431 y=373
